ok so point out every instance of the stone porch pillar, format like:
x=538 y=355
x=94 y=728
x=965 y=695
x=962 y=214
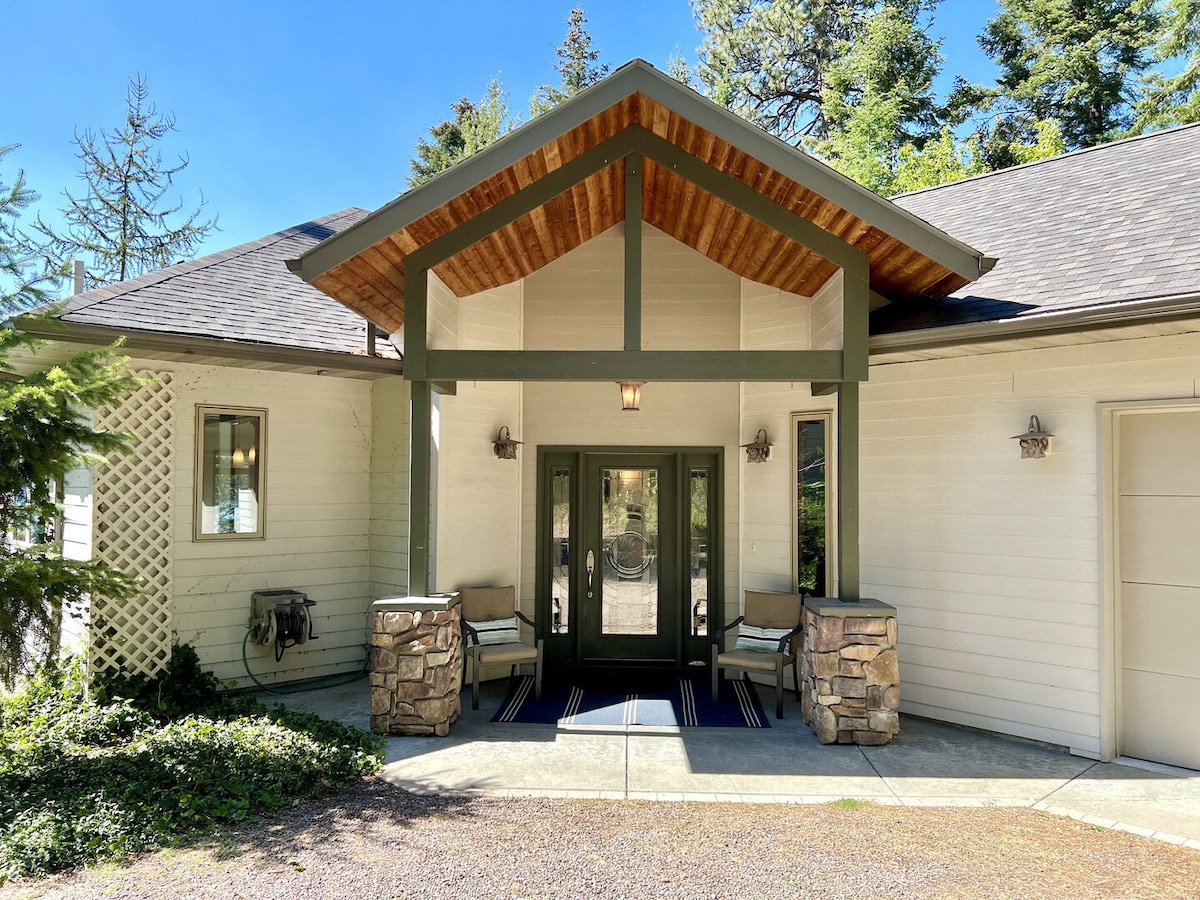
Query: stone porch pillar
x=416 y=664
x=849 y=674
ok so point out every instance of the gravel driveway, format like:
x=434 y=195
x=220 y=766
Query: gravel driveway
x=373 y=840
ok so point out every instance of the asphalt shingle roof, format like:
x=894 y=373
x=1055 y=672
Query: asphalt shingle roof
x=1114 y=223
x=244 y=294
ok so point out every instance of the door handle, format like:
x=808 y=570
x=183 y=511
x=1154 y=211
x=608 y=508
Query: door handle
x=590 y=565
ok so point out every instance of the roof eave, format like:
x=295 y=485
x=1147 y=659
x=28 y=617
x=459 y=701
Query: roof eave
x=1057 y=321
x=190 y=345
x=635 y=77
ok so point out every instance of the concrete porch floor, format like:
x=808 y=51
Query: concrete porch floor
x=926 y=765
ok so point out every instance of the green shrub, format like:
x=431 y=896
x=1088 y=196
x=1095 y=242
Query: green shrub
x=182 y=689
x=82 y=780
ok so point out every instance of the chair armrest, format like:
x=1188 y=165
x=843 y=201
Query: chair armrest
x=719 y=633
x=537 y=629
x=783 y=641
x=469 y=635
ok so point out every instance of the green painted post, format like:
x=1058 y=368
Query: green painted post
x=849 y=587
x=420 y=495
x=633 y=251
x=416 y=313
x=856 y=308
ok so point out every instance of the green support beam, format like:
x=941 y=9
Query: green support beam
x=849 y=586
x=623 y=365
x=748 y=200
x=856 y=309
x=416 y=318
x=420 y=494
x=633 y=251
x=524 y=201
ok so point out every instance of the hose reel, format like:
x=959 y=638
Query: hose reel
x=281 y=618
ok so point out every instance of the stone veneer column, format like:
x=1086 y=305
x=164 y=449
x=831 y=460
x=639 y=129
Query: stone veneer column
x=849 y=675
x=416 y=664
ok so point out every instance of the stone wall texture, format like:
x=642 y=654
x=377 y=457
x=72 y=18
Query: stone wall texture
x=416 y=671
x=850 y=678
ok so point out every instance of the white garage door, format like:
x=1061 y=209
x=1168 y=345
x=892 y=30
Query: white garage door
x=1158 y=549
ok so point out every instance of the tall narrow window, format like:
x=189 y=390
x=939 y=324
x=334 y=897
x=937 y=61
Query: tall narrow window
x=699 y=543
x=230 y=462
x=560 y=549
x=812 y=503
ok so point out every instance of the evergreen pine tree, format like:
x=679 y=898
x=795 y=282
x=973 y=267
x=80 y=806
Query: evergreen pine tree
x=578 y=66
x=122 y=225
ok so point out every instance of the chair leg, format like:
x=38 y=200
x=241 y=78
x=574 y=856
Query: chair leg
x=796 y=676
x=537 y=674
x=716 y=675
x=475 y=682
x=779 y=686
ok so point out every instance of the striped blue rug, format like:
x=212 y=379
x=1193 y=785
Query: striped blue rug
x=687 y=703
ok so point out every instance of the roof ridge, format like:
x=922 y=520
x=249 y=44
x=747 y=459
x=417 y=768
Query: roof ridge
x=1071 y=154
x=107 y=292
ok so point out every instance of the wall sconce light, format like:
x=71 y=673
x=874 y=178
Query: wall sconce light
x=759 y=449
x=504 y=446
x=1034 y=442
x=631 y=395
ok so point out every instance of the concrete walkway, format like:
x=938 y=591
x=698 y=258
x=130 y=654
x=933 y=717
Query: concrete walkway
x=926 y=765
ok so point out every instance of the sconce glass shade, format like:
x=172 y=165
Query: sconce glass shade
x=504 y=446
x=759 y=449
x=631 y=395
x=1035 y=443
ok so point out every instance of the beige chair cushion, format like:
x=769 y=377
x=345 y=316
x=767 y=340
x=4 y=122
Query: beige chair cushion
x=482 y=603
x=773 y=610
x=495 y=654
x=752 y=659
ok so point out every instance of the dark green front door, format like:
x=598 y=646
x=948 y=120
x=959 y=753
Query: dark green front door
x=625 y=572
x=630 y=608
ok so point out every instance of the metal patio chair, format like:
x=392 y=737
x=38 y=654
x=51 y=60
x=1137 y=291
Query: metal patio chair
x=768 y=641
x=491 y=635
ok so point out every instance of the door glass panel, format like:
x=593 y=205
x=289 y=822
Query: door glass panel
x=629 y=527
x=560 y=548
x=698 y=550
x=812 y=513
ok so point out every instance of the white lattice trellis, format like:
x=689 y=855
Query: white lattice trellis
x=133 y=520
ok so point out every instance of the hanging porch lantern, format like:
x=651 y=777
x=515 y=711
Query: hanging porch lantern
x=631 y=395
x=1035 y=443
x=759 y=449
x=504 y=446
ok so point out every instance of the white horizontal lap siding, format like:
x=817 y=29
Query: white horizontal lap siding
x=443 y=316
x=772 y=319
x=992 y=560
x=827 y=319
x=318 y=522
x=479 y=495
x=389 y=487
x=577 y=302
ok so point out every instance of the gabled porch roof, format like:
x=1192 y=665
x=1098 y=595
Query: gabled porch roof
x=364 y=265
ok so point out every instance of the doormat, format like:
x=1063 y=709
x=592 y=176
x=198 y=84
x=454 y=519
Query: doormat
x=686 y=703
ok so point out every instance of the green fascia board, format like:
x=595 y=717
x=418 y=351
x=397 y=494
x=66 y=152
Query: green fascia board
x=623 y=365
x=463 y=176
x=639 y=76
x=813 y=174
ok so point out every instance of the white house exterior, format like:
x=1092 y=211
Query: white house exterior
x=1043 y=598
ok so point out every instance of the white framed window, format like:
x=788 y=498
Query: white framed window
x=230 y=473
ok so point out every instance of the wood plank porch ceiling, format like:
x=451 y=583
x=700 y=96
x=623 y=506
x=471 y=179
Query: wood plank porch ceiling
x=372 y=282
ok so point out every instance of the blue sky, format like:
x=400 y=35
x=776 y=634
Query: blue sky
x=291 y=110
